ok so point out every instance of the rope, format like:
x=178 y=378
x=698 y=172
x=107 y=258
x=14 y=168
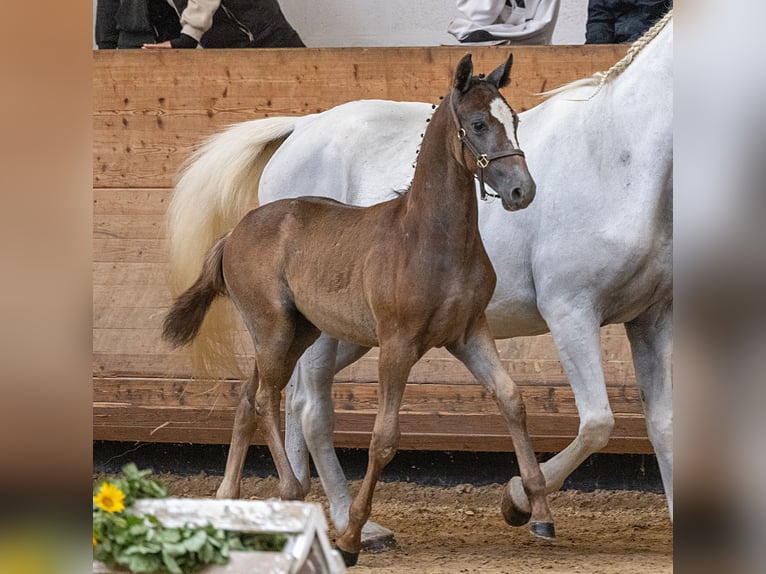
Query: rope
x=599 y=79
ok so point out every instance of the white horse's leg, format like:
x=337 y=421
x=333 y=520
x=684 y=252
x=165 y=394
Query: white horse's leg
x=309 y=395
x=651 y=342
x=576 y=334
x=295 y=444
x=309 y=427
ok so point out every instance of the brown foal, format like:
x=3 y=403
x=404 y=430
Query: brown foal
x=405 y=275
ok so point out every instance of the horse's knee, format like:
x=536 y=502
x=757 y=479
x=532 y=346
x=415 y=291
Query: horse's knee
x=383 y=448
x=246 y=414
x=318 y=426
x=595 y=432
x=295 y=400
x=513 y=403
x=660 y=431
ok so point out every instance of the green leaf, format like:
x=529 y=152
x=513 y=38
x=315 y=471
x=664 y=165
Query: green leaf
x=140 y=549
x=138 y=529
x=171 y=564
x=170 y=535
x=196 y=542
x=173 y=549
x=140 y=563
x=206 y=553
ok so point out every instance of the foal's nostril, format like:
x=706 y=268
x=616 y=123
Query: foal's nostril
x=516 y=194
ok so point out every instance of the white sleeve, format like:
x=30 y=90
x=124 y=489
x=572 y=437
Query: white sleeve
x=197 y=17
x=481 y=12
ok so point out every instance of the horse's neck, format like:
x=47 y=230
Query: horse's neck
x=441 y=203
x=622 y=134
x=643 y=92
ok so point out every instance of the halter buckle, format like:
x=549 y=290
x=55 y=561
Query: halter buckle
x=482 y=161
x=461 y=134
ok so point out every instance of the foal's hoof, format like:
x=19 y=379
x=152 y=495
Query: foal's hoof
x=513 y=515
x=376 y=538
x=544 y=530
x=349 y=558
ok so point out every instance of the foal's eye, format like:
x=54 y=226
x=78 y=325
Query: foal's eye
x=479 y=127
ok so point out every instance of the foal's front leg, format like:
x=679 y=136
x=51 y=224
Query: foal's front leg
x=396 y=360
x=479 y=354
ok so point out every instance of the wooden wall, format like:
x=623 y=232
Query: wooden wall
x=151 y=108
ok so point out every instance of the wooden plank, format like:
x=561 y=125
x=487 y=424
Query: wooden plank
x=122 y=349
x=152 y=108
x=420 y=441
x=433 y=416
x=129 y=227
x=351 y=396
x=138 y=202
x=153 y=363
x=132 y=251
x=424 y=431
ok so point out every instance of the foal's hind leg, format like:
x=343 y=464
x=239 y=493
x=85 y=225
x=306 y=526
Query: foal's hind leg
x=479 y=354
x=650 y=337
x=277 y=350
x=245 y=425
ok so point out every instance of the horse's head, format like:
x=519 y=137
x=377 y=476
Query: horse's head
x=486 y=125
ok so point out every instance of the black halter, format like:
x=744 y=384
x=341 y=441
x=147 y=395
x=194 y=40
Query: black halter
x=482 y=159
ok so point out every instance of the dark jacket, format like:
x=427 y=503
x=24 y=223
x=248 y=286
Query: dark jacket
x=132 y=23
x=240 y=24
x=235 y=24
x=617 y=21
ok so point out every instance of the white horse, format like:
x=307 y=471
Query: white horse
x=594 y=248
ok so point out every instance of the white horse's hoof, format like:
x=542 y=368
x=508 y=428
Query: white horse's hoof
x=376 y=538
x=514 y=513
x=517 y=498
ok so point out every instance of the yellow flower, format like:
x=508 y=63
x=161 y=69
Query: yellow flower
x=110 y=498
x=95 y=541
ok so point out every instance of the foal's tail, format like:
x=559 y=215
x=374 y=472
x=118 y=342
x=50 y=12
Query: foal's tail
x=217 y=187
x=184 y=319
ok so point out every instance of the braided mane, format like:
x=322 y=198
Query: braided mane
x=599 y=79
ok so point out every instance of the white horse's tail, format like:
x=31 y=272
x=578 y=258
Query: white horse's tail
x=218 y=185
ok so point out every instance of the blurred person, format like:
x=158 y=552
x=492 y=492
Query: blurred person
x=618 y=21
x=126 y=24
x=192 y=23
x=505 y=21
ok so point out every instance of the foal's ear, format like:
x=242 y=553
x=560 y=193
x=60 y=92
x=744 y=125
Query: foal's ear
x=502 y=74
x=463 y=74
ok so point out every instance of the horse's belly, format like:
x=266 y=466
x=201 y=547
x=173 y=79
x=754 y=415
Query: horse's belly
x=515 y=319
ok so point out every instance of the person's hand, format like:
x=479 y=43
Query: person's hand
x=165 y=44
x=184 y=41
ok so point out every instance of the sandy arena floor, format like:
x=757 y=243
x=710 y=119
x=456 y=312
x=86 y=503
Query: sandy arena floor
x=460 y=529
